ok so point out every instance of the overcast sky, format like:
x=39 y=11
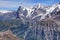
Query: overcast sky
x=14 y=4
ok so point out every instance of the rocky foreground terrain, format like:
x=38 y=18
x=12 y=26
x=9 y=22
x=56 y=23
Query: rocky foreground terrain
x=36 y=23
x=8 y=35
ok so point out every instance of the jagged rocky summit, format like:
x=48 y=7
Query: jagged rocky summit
x=36 y=23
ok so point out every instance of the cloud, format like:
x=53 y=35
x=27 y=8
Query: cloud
x=9 y=4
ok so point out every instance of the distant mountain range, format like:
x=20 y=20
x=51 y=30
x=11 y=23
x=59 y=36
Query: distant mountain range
x=36 y=23
x=33 y=12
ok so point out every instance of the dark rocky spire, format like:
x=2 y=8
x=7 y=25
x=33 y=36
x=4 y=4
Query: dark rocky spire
x=18 y=11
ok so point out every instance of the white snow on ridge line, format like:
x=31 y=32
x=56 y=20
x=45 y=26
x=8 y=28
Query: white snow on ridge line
x=29 y=11
x=4 y=11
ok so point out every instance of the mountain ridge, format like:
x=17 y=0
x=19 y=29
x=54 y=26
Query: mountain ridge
x=35 y=11
x=36 y=23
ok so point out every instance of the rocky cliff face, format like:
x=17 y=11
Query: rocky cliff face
x=8 y=35
x=37 y=23
x=46 y=29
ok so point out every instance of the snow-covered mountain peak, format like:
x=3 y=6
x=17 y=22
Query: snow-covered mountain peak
x=38 y=5
x=36 y=11
x=5 y=11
